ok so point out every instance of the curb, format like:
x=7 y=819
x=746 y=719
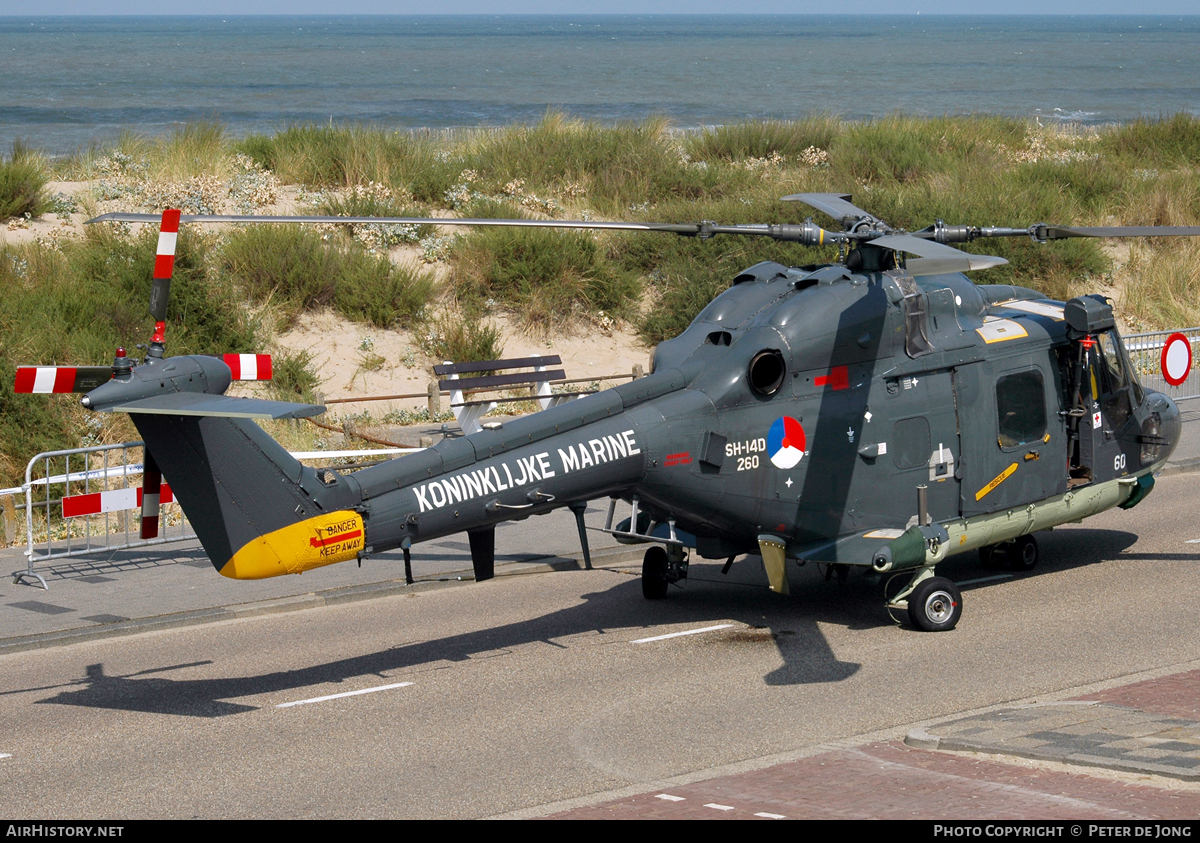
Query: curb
x=1181 y=467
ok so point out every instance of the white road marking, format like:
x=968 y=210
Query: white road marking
x=1192 y=541
x=767 y=816
x=677 y=634
x=992 y=578
x=719 y=807
x=346 y=694
x=5 y=755
x=670 y=798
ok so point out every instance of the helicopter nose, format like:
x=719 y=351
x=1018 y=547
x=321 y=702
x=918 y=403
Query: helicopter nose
x=1170 y=426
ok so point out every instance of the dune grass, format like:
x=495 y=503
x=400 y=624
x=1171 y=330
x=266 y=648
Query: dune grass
x=910 y=171
x=547 y=278
x=23 y=178
x=295 y=270
x=761 y=139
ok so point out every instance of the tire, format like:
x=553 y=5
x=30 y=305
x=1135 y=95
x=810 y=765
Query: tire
x=654 y=574
x=935 y=605
x=1023 y=554
x=991 y=557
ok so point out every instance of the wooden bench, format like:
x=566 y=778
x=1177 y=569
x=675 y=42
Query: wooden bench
x=469 y=412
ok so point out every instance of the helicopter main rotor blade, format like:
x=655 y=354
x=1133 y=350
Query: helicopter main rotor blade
x=1058 y=232
x=1040 y=232
x=934 y=258
x=676 y=228
x=836 y=205
x=808 y=234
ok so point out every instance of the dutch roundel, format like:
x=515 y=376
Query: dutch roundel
x=785 y=442
x=1176 y=359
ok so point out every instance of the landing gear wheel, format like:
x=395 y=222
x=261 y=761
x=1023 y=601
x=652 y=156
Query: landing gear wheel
x=935 y=605
x=654 y=574
x=991 y=556
x=1023 y=554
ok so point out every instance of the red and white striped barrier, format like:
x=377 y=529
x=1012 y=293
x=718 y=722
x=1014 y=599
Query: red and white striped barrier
x=117 y=500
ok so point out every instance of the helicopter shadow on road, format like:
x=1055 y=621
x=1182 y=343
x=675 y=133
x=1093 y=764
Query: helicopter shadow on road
x=788 y=623
x=1059 y=550
x=785 y=623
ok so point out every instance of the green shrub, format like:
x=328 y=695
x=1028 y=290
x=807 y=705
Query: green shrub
x=293 y=267
x=292 y=376
x=374 y=290
x=459 y=338
x=1172 y=141
x=287 y=264
x=545 y=277
x=336 y=156
x=609 y=167
x=23 y=179
x=193 y=149
x=760 y=139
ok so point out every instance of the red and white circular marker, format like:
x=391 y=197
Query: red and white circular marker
x=1176 y=359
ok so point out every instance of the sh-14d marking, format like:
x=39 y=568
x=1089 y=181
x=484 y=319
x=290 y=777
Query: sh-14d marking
x=881 y=411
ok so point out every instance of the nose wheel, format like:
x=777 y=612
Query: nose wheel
x=935 y=605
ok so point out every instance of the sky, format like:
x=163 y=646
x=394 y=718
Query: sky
x=591 y=7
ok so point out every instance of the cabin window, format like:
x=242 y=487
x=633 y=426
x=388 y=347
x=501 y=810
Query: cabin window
x=1021 y=408
x=910 y=443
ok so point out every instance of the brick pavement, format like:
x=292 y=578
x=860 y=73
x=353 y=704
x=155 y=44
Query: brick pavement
x=889 y=780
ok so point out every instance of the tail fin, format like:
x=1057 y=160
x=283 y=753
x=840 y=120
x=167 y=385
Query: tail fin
x=257 y=511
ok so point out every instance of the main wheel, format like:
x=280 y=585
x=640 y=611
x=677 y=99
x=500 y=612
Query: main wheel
x=1023 y=554
x=654 y=574
x=992 y=556
x=935 y=605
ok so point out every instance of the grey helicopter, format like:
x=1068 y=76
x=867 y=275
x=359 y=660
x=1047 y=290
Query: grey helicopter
x=880 y=412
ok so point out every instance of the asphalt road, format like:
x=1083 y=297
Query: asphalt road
x=529 y=690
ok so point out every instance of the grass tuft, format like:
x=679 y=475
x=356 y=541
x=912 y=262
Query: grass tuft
x=761 y=139
x=547 y=278
x=23 y=179
x=295 y=269
x=293 y=378
x=457 y=338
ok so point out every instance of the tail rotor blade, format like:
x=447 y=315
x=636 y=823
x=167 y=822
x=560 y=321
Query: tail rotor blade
x=249 y=367
x=151 y=489
x=47 y=379
x=164 y=266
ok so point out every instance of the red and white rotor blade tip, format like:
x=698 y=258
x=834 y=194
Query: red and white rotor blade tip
x=249 y=367
x=47 y=379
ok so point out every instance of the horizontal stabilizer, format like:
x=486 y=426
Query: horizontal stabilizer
x=201 y=404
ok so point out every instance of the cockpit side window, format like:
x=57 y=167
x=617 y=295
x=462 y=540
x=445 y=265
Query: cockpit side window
x=1021 y=408
x=1120 y=384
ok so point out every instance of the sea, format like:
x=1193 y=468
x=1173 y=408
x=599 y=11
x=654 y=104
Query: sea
x=69 y=82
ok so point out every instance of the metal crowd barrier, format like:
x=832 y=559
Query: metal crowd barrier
x=109 y=473
x=110 y=520
x=1145 y=353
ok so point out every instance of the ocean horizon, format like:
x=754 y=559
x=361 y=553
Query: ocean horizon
x=75 y=81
